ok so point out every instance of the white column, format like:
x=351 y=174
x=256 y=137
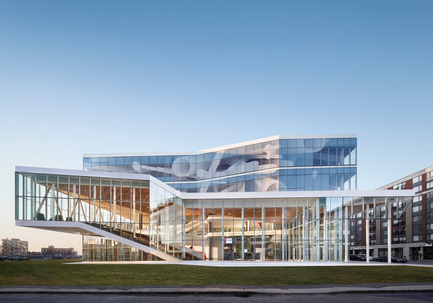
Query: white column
x=202 y=230
x=367 y=234
x=114 y=208
x=283 y=234
x=346 y=235
x=263 y=232
x=134 y=222
x=183 y=231
x=222 y=230
x=243 y=232
x=388 y=227
x=311 y=232
x=325 y=234
x=317 y=231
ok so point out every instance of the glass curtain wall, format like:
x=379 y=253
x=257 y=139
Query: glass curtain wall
x=120 y=206
x=274 y=165
x=103 y=249
x=298 y=229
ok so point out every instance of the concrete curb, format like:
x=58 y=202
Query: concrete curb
x=238 y=291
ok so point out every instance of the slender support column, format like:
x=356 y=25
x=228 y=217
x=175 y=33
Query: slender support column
x=304 y=237
x=134 y=220
x=222 y=231
x=312 y=233
x=337 y=232
x=325 y=235
x=114 y=207
x=166 y=234
x=263 y=233
x=346 y=235
x=33 y=197
x=341 y=229
x=367 y=233
x=120 y=208
x=243 y=231
x=283 y=235
x=183 y=230
x=202 y=230
x=317 y=229
x=388 y=227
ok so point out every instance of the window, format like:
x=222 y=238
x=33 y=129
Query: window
x=416 y=179
x=417 y=188
x=417 y=208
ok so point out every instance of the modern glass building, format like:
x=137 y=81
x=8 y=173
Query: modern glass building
x=271 y=164
x=278 y=198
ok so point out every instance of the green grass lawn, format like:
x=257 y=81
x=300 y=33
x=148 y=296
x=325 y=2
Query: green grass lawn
x=55 y=272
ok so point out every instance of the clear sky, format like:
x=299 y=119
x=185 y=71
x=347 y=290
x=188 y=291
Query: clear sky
x=148 y=76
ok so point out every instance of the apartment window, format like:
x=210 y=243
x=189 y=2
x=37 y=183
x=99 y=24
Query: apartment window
x=417 y=188
x=417 y=208
x=415 y=238
x=417 y=229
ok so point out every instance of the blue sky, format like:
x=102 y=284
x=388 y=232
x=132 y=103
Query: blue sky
x=140 y=76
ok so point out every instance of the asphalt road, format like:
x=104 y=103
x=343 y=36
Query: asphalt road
x=335 y=298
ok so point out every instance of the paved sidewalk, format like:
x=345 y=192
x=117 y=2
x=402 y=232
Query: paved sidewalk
x=222 y=290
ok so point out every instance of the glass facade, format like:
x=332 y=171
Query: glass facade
x=103 y=249
x=149 y=213
x=137 y=210
x=254 y=201
x=271 y=165
x=296 y=229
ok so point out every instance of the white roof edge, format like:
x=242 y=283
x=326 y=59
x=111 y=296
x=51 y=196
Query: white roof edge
x=300 y=194
x=333 y=136
x=235 y=145
x=222 y=195
x=81 y=173
x=141 y=154
x=214 y=149
x=96 y=174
